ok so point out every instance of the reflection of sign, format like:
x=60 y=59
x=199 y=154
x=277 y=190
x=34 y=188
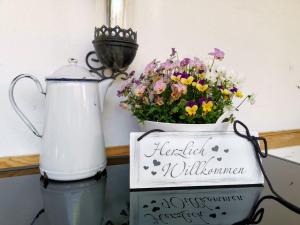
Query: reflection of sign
x=195 y=206
x=171 y=159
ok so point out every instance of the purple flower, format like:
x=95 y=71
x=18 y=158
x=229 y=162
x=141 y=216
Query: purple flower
x=220 y=86
x=234 y=89
x=201 y=100
x=202 y=70
x=137 y=82
x=131 y=74
x=185 y=62
x=217 y=54
x=173 y=52
x=202 y=82
x=119 y=93
x=184 y=75
x=190 y=103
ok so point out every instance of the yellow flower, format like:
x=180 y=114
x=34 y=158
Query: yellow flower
x=187 y=81
x=175 y=78
x=191 y=110
x=202 y=76
x=239 y=94
x=225 y=92
x=201 y=87
x=207 y=107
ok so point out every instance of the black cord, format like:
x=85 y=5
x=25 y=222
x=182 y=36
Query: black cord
x=149 y=132
x=37 y=216
x=254 y=140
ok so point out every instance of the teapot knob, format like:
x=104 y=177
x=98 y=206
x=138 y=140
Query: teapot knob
x=72 y=61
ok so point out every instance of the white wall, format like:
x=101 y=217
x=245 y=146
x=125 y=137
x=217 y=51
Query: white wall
x=260 y=39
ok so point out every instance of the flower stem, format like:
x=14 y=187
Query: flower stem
x=212 y=65
x=242 y=102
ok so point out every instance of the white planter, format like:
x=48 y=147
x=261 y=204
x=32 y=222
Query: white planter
x=182 y=127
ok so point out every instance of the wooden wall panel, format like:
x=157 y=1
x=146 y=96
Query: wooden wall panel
x=276 y=139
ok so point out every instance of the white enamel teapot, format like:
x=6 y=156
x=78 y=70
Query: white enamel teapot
x=72 y=138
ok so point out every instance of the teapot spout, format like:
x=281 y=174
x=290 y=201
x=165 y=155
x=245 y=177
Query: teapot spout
x=103 y=86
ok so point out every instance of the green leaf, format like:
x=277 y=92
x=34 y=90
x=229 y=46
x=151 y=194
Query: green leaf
x=182 y=117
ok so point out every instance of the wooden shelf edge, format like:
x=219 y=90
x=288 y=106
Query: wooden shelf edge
x=276 y=139
x=11 y=162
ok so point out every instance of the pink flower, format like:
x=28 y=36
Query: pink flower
x=159 y=101
x=196 y=62
x=150 y=67
x=168 y=64
x=176 y=63
x=159 y=86
x=178 y=90
x=126 y=86
x=139 y=90
x=217 y=54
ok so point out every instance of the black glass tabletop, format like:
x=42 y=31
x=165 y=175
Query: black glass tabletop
x=24 y=200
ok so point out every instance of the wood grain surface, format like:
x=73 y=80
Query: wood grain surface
x=120 y=154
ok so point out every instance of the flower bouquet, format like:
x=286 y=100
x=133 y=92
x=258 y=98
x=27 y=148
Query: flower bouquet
x=179 y=94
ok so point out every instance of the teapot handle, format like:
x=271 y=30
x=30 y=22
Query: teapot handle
x=15 y=106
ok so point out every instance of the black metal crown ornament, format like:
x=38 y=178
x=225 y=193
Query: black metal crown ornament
x=115 y=49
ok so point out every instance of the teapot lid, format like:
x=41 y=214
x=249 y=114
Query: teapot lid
x=73 y=72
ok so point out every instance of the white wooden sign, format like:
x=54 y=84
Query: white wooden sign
x=193 y=206
x=181 y=159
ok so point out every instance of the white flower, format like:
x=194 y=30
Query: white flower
x=251 y=99
x=222 y=70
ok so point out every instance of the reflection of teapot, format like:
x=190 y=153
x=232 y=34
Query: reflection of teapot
x=73 y=203
x=193 y=206
x=72 y=138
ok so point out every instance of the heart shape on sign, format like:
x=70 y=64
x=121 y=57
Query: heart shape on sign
x=146 y=167
x=215 y=149
x=226 y=150
x=153 y=173
x=219 y=159
x=155 y=209
x=156 y=163
x=213 y=215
